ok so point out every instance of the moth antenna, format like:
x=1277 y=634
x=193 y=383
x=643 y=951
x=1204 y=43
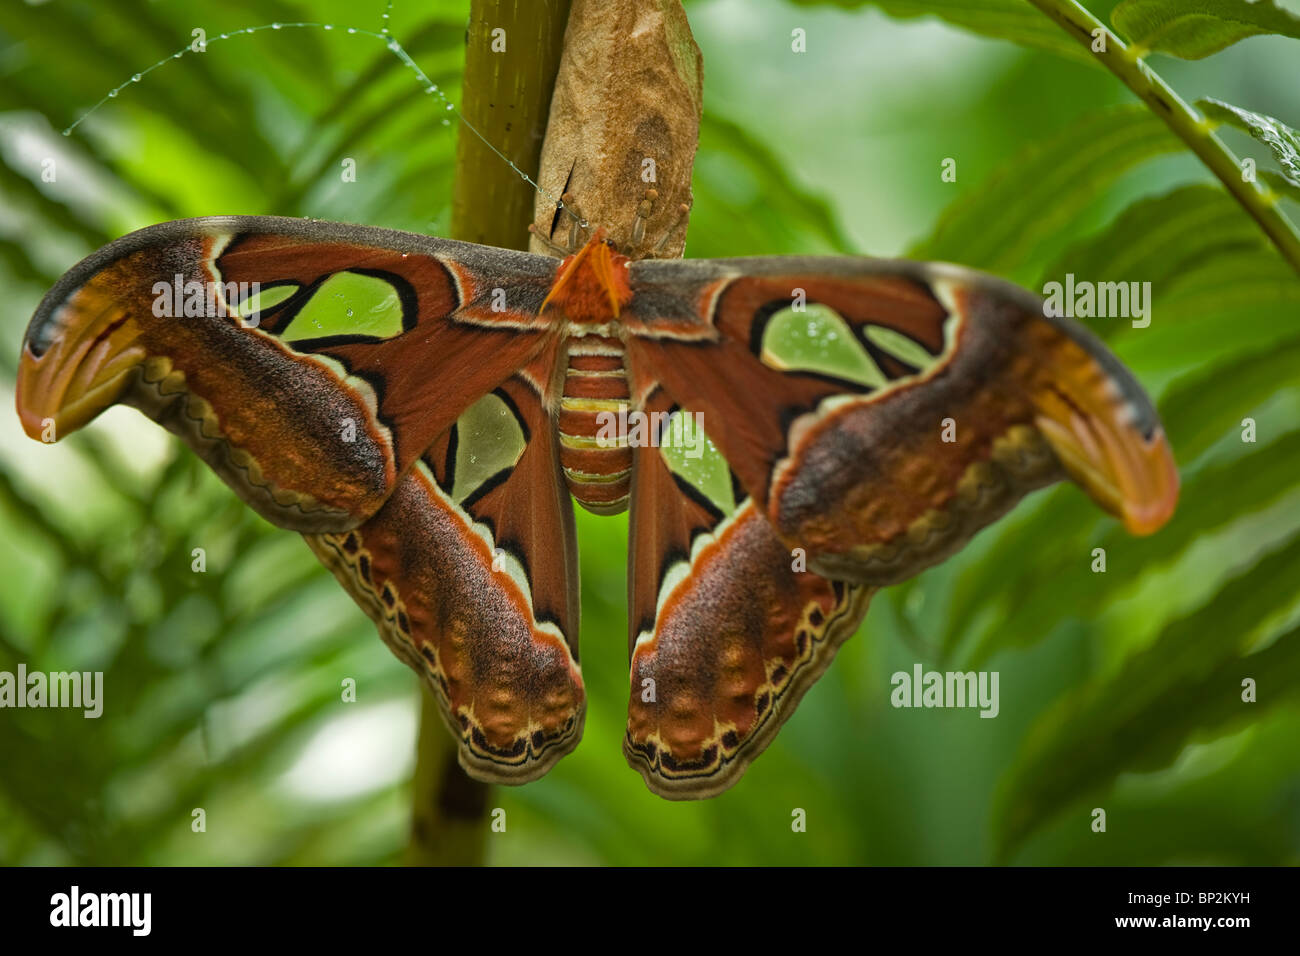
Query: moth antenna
x=682 y=211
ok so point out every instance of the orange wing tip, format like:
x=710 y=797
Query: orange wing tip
x=68 y=394
x=1131 y=477
x=1148 y=513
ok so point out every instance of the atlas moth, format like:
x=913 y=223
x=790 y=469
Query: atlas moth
x=475 y=379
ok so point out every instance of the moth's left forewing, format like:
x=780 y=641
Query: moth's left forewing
x=309 y=363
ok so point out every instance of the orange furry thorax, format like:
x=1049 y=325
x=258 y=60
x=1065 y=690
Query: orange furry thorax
x=591 y=285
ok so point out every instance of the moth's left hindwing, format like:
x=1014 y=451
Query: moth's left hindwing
x=470 y=573
x=310 y=364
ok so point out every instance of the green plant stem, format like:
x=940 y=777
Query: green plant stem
x=1187 y=124
x=507 y=97
x=448 y=807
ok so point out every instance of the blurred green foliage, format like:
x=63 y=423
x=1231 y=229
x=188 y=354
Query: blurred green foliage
x=1119 y=690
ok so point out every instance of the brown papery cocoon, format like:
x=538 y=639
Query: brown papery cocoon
x=629 y=90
